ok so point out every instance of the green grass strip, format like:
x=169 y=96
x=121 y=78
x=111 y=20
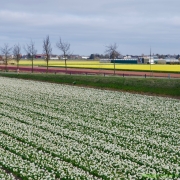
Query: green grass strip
x=151 y=86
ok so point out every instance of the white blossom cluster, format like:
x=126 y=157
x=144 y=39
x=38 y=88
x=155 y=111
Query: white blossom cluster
x=5 y=174
x=52 y=131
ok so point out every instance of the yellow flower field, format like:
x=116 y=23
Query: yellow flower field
x=98 y=65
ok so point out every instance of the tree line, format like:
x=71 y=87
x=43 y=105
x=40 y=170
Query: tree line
x=31 y=50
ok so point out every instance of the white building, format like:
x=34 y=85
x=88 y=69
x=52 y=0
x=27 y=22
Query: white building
x=54 y=57
x=85 y=57
x=127 y=57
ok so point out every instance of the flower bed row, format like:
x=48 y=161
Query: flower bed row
x=57 y=131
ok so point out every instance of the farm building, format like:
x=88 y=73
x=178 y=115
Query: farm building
x=105 y=60
x=125 y=61
x=172 y=61
x=54 y=57
x=120 y=61
x=39 y=56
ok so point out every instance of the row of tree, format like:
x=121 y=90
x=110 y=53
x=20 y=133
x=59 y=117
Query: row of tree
x=30 y=49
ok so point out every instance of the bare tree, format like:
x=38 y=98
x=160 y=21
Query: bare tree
x=6 y=51
x=30 y=49
x=64 y=47
x=113 y=53
x=17 y=54
x=47 y=50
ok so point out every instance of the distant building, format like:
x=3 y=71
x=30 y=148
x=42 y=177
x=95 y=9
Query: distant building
x=125 y=61
x=74 y=56
x=85 y=57
x=105 y=60
x=39 y=56
x=54 y=57
x=127 y=57
x=172 y=61
x=149 y=59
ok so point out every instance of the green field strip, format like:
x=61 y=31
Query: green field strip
x=156 y=86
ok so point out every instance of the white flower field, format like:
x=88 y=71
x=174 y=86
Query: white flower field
x=52 y=131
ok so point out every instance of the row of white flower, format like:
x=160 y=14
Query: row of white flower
x=83 y=124
x=53 y=129
x=78 y=132
x=103 y=145
x=54 y=165
x=20 y=166
x=66 y=149
x=5 y=175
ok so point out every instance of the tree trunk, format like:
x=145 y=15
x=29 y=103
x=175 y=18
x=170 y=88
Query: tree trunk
x=47 y=65
x=65 y=65
x=114 y=68
x=32 y=66
x=17 y=64
x=6 y=65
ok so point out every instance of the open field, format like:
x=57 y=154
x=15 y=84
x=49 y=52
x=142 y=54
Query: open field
x=45 y=111
x=98 y=65
x=53 y=131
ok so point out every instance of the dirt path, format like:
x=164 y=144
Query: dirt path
x=90 y=71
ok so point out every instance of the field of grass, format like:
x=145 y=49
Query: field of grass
x=98 y=65
x=53 y=131
x=156 y=86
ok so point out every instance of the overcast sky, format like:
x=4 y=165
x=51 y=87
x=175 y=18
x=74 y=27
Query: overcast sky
x=90 y=25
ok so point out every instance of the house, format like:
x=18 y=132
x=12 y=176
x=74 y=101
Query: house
x=54 y=57
x=39 y=56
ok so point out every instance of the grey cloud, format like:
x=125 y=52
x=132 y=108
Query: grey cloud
x=90 y=25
